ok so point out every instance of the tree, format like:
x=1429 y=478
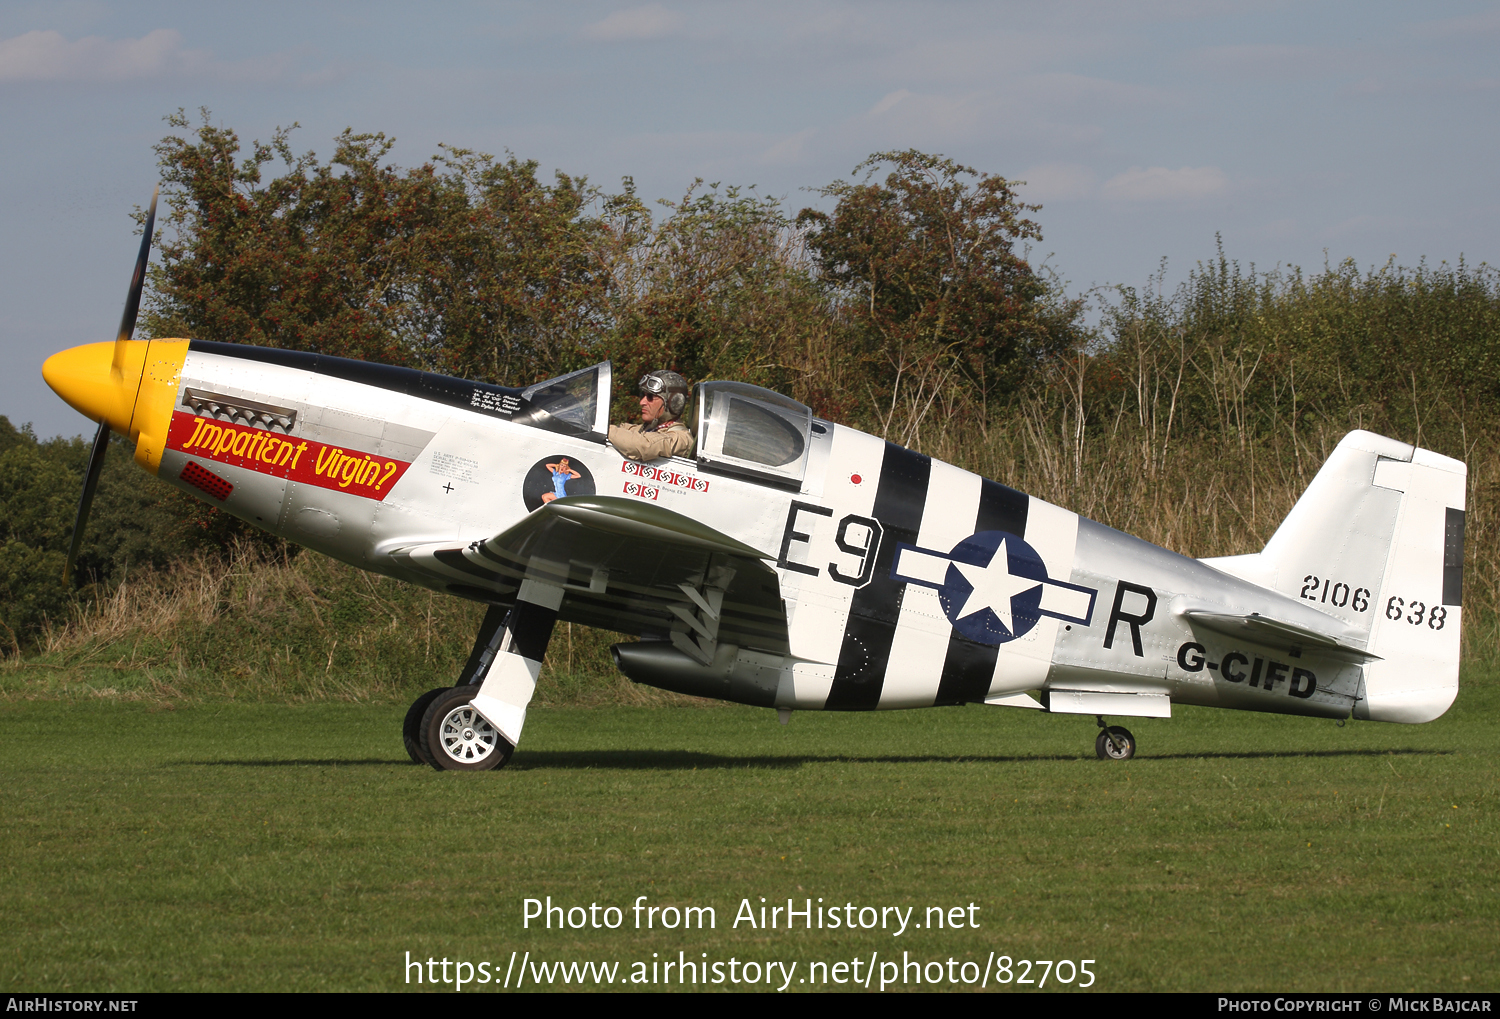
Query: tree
x=138 y=522
x=473 y=267
x=718 y=289
x=923 y=264
x=908 y=295
x=464 y=265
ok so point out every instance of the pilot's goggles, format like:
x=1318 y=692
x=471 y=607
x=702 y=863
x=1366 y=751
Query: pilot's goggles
x=650 y=385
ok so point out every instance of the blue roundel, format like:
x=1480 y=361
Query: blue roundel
x=993 y=597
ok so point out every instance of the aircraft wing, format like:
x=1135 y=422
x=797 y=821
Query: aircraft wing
x=627 y=566
x=1277 y=633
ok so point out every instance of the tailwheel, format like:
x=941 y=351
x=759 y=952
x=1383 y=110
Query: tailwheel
x=455 y=737
x=1115 y=743
x=411 y=727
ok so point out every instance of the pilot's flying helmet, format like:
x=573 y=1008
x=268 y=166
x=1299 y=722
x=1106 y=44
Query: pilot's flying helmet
x=668 y=385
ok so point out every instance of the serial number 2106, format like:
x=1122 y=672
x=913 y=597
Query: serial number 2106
x=1338 y=594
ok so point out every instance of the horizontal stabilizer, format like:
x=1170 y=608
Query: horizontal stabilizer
x=1275 y=632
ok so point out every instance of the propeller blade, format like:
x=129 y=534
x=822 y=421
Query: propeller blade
x=86 y=499
x=137 y=284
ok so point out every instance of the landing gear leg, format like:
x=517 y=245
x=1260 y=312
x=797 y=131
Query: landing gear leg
x=1114 y=742
x=411 y=727
x=476 y=725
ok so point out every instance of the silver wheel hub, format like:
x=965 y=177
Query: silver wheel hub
x=466 y=736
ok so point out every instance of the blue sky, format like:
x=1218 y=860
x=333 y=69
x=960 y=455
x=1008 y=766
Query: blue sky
x=1360 y=130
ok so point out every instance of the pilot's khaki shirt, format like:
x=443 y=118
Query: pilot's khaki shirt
x=671 y=439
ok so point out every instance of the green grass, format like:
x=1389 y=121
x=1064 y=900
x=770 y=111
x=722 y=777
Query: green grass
x=259 y=846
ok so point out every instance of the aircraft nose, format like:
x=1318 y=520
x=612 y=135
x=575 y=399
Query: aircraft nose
x=86 y=378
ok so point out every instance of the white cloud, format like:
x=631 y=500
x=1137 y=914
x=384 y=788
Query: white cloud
x=653 y=21
x=889 y=101
x=1159 y=184
x=49 y=56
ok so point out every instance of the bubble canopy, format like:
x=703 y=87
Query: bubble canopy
x=755 y=432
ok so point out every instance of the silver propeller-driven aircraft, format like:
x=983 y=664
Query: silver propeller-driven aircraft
x=794 y=563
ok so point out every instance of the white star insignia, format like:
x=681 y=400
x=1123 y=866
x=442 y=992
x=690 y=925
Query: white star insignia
x=994 y=587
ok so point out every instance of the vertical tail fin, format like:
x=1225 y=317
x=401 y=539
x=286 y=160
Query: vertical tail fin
x=1377 y=541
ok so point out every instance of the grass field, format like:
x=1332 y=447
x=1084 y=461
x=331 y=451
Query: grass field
x=220 y=845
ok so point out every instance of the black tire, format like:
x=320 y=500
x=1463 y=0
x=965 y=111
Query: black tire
x=411 y=728
x=1120 y=748
x=455 y=737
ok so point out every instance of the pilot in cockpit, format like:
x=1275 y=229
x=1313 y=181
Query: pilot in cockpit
x=664 y=395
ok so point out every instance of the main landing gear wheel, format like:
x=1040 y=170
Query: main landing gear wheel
x=411 y=728
x=455 y=737
x=1115 y=744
